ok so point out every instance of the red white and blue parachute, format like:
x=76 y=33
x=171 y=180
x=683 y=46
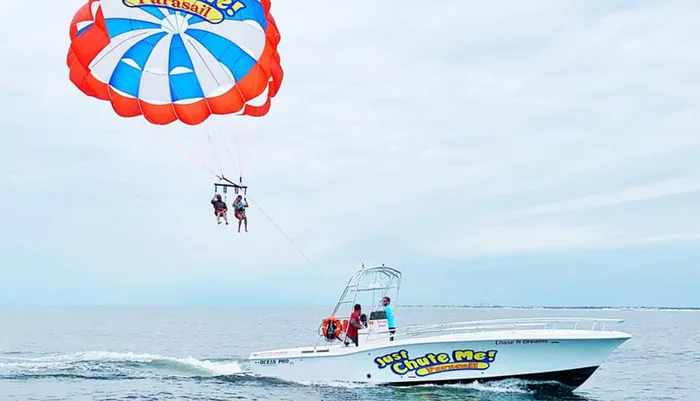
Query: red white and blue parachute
x=172 y=60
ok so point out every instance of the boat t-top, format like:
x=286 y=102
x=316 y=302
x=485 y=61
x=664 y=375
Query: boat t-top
x=562 y=350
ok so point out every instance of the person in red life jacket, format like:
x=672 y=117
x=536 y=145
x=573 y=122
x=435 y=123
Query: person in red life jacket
x=220 y=208
x=354 y=325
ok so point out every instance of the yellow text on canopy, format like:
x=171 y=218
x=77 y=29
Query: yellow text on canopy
x=213 y=11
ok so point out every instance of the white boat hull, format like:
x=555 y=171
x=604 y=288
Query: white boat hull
x=566 y=356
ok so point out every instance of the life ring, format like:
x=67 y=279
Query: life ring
x=331 y=328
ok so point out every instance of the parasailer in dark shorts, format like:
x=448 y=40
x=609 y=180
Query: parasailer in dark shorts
x=220 y=209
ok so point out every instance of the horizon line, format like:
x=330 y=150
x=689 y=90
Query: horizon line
x=463 y=306
x=695 y=308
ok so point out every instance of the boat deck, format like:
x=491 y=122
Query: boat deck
x=500 y=329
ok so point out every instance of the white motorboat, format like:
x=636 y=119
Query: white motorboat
x=563 y=350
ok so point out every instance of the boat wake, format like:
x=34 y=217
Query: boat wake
x=104 y=365
x=508 y=389
x=506 y=386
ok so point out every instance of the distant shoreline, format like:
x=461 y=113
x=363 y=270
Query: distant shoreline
x=660 y=308
x=635 y=308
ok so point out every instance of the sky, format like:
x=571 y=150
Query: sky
x=512 y=153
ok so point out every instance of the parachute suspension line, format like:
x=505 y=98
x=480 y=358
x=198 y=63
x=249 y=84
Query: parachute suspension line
x=286 y=236
x=213 y=150
x=227 y=148
x=184 y=150
x=230 y=155
x=228 y=151
x=207 y=127
x=221 y=142
x=239 y=145
x=196 y=159
x=221 y=177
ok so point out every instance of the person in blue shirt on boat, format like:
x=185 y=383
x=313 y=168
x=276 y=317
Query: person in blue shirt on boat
x=386 y=302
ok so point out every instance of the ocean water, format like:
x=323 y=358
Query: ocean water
x=193 y=354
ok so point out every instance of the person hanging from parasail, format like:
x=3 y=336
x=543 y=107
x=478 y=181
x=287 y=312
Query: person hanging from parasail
x=239 y=206
x=220 y=209
x=205 y=80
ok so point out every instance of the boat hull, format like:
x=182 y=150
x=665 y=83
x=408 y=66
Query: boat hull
x=571 y=379
x=568 y=361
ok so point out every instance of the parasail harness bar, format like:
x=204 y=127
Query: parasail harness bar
x=237 y=188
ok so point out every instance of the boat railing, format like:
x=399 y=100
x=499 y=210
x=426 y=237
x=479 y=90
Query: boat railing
x=590 y=324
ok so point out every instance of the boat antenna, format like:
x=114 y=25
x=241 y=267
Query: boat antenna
x=359 y=251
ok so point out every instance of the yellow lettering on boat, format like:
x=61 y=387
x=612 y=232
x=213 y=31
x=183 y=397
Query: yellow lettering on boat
x=452 y=366
x=460 y=359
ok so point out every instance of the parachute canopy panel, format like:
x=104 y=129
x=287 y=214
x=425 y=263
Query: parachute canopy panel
x=171 y=60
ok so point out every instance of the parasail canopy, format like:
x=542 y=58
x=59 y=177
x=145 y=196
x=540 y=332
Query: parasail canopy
x=171 y=60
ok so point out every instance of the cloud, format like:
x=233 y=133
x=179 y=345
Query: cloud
x=677 y=237
x=394 y=129
x=533 y=228
x=670 y=187
x=545 y=236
